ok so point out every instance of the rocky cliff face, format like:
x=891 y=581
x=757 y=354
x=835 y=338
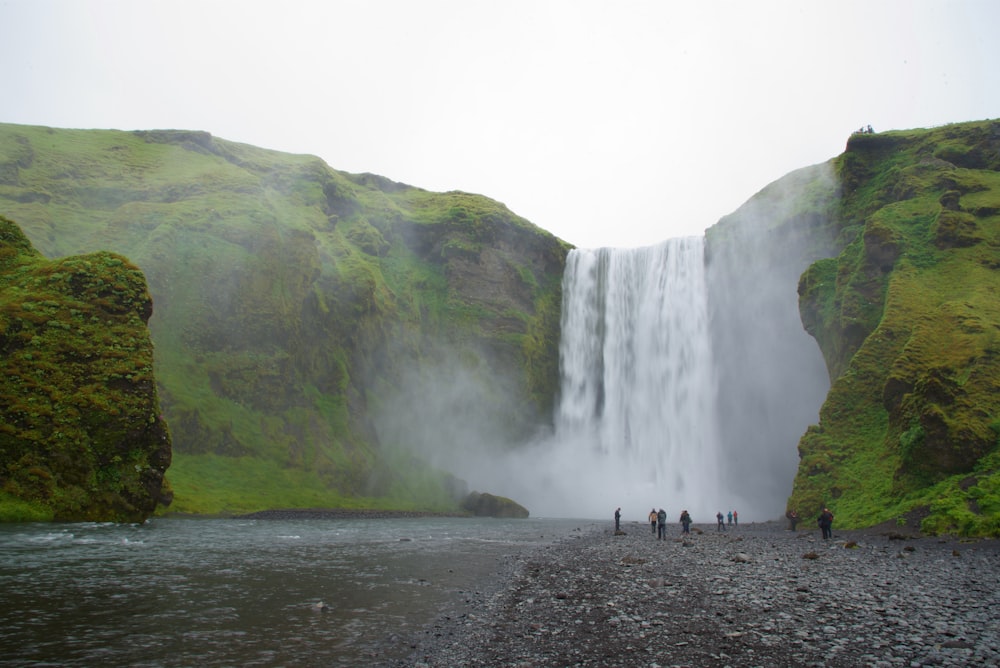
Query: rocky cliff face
x=81 y=434
x=908 y=319
x=298 y=306
x=894 y=247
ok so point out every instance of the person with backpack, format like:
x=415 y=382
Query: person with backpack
x=661 y=524
x=652 y=520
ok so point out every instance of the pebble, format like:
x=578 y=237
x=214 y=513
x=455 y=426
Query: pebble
x=743 y=597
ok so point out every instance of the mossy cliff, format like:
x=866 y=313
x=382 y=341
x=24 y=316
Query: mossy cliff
x=81 y=435
x=311 y=326
x=907 y=315
x=294 y=302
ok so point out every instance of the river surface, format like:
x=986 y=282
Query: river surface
x=233 y=592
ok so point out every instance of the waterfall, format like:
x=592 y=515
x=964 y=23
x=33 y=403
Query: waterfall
x=686 y=379
x=637 y=389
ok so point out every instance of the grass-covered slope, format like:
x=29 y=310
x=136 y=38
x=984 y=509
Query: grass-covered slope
x=81 y=435
x=908 y=319
x=292 y=303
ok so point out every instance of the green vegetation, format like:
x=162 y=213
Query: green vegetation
x=81 y=436
x=908 y=318
x=294 y=301
x=218 y=485
x=290 y=301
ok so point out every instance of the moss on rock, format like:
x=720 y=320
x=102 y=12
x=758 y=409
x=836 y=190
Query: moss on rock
x=908 y=318
x=81 y=434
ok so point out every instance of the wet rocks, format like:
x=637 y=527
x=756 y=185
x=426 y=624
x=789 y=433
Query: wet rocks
x=745 y=597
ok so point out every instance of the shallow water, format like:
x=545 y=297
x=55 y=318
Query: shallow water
x=227 y=592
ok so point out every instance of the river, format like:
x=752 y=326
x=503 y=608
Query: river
x=240 y=592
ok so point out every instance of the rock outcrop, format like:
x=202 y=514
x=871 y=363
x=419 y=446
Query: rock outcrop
x=489 y=505
x=81 y=434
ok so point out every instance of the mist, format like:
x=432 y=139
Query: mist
x=687 y=378
x=771 y=376
x=458 y=412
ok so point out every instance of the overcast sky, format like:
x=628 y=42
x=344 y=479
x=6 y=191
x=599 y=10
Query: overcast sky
x=606 y=123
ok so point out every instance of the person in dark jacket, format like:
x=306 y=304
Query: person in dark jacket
x=825 y=521
x=685 y=522
x=661 y=524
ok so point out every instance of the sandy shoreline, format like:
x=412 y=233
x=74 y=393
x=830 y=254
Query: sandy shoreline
x=753 y=595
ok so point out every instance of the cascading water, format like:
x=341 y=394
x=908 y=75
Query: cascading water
x=637 y=397
x=687 y=376
x=635 y=426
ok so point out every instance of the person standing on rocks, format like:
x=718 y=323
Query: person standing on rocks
x=685 y=522
x=618 y=520
x=825 y=521
x=793 y=518
x=652 y=520
x=661 y=525
x=720 y=518
x=730 y=518
x=736 y=519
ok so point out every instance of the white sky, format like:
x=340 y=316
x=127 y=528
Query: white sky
x=606 y=123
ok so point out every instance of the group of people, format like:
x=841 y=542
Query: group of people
x=658 y=521
x=733 y=517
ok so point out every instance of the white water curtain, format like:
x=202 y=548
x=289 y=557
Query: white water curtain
x=636 y=410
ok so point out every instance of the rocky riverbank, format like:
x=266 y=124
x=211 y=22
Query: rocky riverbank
x=755 y=595
x=340 y=514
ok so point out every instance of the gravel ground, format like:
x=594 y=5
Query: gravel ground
x=755 y=595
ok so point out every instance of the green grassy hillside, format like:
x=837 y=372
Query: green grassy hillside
x=319 y=335
x=908 y=319
x=81 y=435
x=292 y=301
